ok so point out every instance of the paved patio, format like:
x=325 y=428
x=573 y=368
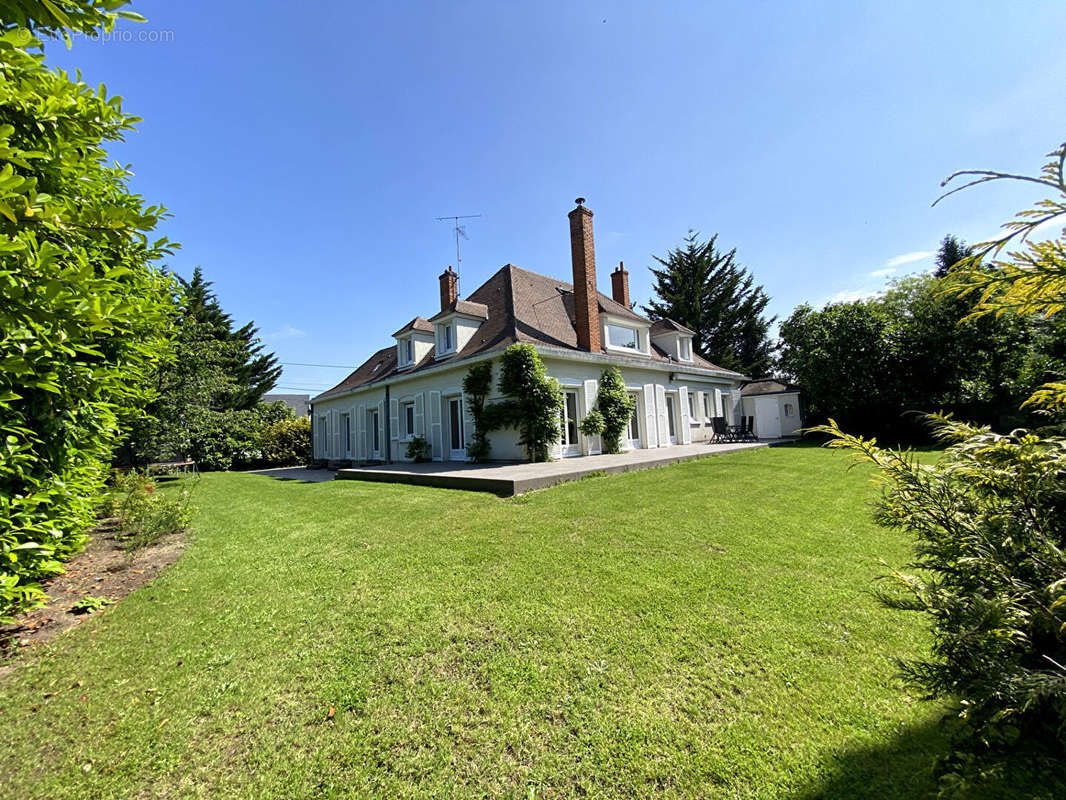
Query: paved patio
x=509 y=479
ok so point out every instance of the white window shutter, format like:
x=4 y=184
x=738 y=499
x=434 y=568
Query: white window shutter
x=394 y=419
x=435 y=426
x=663 y=424
x=420 y=414
x=686 y=428
x=719 y=404
x=651 y=438
x=591 y=444
x=360 y=438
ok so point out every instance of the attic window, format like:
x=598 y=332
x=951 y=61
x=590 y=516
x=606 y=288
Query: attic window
x=686 y=349
x=621 y=337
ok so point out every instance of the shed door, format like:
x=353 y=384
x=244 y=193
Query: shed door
x=767 y=418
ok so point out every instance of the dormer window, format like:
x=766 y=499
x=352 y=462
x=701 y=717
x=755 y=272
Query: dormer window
x=405 y=352
x=622 y=337
x=447 y=331
x=685 y=352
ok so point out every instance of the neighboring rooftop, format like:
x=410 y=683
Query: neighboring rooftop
x=299 y=403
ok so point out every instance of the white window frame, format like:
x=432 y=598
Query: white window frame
x=693 y=417
x=623 y=348
x=408 y=431
x=708 y=405
x=684 y=343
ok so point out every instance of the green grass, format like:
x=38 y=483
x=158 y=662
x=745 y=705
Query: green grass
x=704 y=630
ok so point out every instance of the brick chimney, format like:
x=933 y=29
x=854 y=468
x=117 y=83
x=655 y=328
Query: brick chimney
x=449 y=288
x=620 y=285
x=586 y=302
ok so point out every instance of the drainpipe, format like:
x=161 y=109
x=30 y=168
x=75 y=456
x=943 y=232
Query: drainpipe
x=388 y=432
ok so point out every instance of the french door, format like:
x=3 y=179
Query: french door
x=373 y=434
x=456 y=437
x=571 y=441
x=632 y=435
x=671 y=417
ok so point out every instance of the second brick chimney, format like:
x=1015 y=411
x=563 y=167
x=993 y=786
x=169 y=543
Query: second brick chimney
x=449 y=288
x=586 y=301
x=620 y=285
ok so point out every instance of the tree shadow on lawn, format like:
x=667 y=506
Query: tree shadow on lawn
x=899 y=768
x=903 y=767
x=295 y=474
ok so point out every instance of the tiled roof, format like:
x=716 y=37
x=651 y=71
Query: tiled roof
x=517 y=306
x=417 y=324
x=471 y=309
x=667 y=324
x=767 y=386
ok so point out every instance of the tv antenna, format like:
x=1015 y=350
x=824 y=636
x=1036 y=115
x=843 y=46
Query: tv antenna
x=460 y=230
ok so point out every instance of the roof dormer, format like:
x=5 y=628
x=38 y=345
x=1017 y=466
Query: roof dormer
x=413 y=342
x=673 y=339
x=456 y=325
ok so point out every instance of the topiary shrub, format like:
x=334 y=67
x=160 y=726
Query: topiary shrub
x=615 y=405
x=534 y=401
x=592 y=424
x=477 y=383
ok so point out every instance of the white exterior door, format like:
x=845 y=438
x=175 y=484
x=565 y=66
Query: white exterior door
x=671 y=417
x=456 y=434
x=571 y=441
x=767 y=418
x=373 y=434
x=631 y=438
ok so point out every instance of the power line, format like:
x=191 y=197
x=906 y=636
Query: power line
x=324 y=366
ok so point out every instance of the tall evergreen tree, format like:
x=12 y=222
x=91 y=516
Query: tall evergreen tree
x=706 y=290
x=952 y=251
x=252 y=371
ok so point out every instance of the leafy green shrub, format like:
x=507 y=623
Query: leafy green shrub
x=616 y=406
x=476 y=386
x=286 y=442
x=85 y=313
x=592 y=424
x=419 y=449
x=534 y=401
x=989 y=522
x=145 y=512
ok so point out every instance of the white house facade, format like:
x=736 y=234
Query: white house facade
x=413 y=388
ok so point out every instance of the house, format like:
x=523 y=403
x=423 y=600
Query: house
x=413 y=387
x=775 y=405
x=299 y=404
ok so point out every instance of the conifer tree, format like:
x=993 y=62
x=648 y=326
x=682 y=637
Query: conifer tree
x=705 y=289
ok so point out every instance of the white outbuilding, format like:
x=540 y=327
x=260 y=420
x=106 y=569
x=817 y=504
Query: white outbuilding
x=775 y=405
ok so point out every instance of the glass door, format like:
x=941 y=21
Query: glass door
x=671 y=417
x=632 y=436
x=457 y=441
x=571 y=441
x=373 y=434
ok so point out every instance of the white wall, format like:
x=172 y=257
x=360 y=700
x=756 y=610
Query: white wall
x=790 y=424
x=429 y=391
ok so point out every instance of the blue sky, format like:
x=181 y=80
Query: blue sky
x=305 y=156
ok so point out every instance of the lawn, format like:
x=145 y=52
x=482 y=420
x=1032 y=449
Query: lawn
x=702 y=630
